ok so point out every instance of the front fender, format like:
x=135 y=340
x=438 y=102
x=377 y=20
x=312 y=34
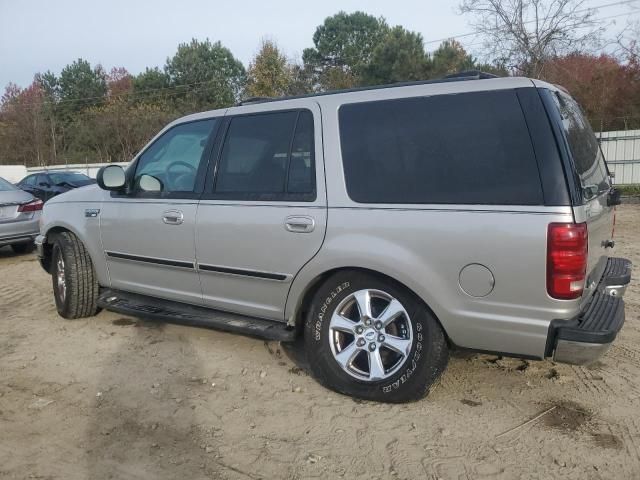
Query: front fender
x=60 y=216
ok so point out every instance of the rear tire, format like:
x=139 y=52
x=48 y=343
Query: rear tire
x=75 y=287
x=393 y=352
x=22 y=248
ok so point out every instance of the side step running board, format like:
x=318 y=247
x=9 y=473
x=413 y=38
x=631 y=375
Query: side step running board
x=175 y=312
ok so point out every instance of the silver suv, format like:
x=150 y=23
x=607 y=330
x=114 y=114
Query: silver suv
x=386 y=225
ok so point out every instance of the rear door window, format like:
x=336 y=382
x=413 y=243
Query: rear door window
x=585 y=151
x=268 y=156
x=30 y=181
x=471 y=148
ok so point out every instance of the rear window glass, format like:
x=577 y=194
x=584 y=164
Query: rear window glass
x=6 y=186
x=585 y=151
x=471 y=148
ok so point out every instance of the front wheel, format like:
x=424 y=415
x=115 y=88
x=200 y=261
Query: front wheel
x=75 y=287
x=371 y=338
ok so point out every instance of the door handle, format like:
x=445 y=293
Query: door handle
x=173 y=217
x=300 y=224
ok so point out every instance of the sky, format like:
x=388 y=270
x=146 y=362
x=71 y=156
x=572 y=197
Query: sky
x=41 y=35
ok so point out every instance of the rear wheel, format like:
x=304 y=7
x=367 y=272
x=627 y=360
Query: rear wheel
x=371 y=338
x=75 y=287
x=22 y=248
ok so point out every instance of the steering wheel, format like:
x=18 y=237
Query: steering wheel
x=175 y=183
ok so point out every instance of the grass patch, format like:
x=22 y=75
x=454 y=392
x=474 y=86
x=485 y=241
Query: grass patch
x=628 y=190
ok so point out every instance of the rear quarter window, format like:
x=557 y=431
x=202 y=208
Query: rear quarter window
x=471 y=148
x=585 y=151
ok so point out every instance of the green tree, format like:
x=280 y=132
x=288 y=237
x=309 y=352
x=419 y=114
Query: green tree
x=344 y=45
x=399 y=57
x=114 y=132
x=50 y=87
x=81 y=86
x=269 y=73
x=450 y=57
x=301 y=80
x=150 y=86
x=205 y=75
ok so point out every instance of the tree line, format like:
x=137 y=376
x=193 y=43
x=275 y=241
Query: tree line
x=87 y=113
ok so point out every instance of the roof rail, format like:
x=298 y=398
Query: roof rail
x=454 y=77
x=472 y=75
x=250 y=100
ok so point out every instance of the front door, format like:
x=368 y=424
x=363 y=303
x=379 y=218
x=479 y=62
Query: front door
x=263 y=215
x=148 y=235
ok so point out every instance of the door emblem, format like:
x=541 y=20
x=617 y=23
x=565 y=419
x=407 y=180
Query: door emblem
x=91 y=212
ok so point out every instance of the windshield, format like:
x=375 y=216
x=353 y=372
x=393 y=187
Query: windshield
x=6 y=186
x=68 y=177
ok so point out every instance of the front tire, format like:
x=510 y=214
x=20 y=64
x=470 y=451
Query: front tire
x=75 y=287
x=371 y=338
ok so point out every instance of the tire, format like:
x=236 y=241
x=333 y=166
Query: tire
x=398 y=377
x=22 y=248
x=72 y=272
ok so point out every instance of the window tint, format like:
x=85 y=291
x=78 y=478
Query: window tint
x=69 y=177
x=175 y=157
x=268 y=157
x=585 y=151
x=29 y=181
x=301 y=168
x=471 y=148
x=42 y=178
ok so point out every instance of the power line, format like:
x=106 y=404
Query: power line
x=600 y=19
x=171 y=88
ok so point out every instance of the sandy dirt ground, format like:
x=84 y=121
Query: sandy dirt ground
x=115 y=397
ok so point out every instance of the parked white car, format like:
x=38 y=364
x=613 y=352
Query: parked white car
x=19 y=217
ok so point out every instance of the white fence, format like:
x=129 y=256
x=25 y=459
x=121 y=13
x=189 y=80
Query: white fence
x=622 y=151
x=15 y=173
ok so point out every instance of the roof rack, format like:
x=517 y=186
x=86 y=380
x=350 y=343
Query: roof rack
x=454 y=77
x=472 y=75
x=249 y=100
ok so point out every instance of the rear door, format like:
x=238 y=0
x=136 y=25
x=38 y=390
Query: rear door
x=263 y=215
x=594 y=184
x=44 y=187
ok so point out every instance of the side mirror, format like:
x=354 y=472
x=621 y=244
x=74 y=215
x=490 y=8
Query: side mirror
x=111 y=177
x=148 y=183
x=44 y=184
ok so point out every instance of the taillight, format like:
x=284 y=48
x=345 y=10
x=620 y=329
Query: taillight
x=567 y=253
x=34 y=206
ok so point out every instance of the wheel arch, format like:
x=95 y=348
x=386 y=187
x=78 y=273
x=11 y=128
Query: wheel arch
x=55 y=229
x=47 y=247
x=303 y=302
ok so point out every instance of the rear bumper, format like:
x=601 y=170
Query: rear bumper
x=20 y=230
x=586 y=337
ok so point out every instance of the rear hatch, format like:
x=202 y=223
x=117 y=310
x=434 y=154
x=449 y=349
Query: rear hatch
x=593 y=183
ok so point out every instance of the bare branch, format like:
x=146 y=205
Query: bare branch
x=524 y=34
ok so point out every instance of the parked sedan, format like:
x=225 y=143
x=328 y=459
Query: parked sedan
x=19 y=217
x=46 y=185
